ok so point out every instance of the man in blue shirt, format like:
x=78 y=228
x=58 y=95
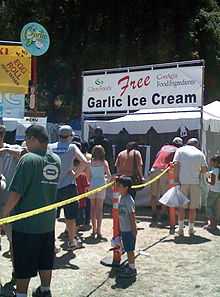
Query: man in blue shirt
x=67 y=183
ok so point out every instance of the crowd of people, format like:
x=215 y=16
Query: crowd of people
x=40 y=172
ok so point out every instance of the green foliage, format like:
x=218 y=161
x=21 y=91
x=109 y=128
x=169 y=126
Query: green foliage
x=104 y=34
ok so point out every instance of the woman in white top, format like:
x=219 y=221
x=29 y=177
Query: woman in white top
x=213 y=203
x=99 y=170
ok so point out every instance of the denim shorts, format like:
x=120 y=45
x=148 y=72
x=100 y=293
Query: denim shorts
x=70 y=210
x=213 y=205
x=128 y=241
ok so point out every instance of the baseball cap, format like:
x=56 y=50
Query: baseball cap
x=193 y=142
x=66 y=131
x=178 y=141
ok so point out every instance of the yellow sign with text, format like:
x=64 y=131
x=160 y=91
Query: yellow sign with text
x=15 y=69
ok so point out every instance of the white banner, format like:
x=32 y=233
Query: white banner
x=168 y=87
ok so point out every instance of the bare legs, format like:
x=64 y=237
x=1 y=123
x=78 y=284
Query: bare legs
x=192 y=215
x=45 y=278
x=181 y=214
x=93 y=215
x=96 y=214
x=131 y=258
x=71 y=229
x=99 y=214
x=192 y=218
x=22 y=285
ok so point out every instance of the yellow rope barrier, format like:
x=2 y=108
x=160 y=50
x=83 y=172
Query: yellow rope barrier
x=148 y=183
x=35 y=212
x=53 y=206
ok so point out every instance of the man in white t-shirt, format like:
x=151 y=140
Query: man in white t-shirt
x=190 y=163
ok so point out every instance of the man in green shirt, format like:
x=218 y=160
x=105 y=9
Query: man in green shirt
x=34 y=185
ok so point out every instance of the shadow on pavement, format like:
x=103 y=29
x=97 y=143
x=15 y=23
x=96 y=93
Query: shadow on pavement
x=196 y=239
x=63 y=262
x=214 y=232
x=91 y=240
x=63 y=236
x=123 y=283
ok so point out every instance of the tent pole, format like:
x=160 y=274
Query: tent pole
x=202 y=115
x=201 y=129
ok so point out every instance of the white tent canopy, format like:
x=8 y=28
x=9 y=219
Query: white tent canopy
x=165 y=120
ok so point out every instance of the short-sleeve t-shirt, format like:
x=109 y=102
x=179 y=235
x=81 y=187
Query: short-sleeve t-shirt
x=36 y=179
x=216 y=187
x=125 y=162
x=126 y=208
x=164 y=157
x=191 y=161
x=66 y=151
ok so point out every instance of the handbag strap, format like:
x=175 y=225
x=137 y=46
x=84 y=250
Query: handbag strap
x=134 y=165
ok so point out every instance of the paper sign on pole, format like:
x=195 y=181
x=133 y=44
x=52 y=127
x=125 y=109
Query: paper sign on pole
x=15 y=69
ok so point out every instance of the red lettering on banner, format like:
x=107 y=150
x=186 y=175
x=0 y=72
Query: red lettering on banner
x=124 y=88
x=147 y=80
x=140 y=83
x=125 y=83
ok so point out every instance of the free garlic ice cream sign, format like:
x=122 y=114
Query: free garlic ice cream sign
x=133 y=90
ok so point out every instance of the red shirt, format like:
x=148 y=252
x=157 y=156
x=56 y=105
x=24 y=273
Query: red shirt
x=164 y=157
x=82 y=186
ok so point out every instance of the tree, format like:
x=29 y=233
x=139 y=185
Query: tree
x=105 y=34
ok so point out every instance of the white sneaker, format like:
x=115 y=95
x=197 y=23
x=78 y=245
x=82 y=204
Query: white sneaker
x=180 y=232
x=191 y=232
x=75 y=244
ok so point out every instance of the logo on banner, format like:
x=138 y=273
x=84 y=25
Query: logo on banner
x=99 y=86
x=99 y=82
x=35 y=39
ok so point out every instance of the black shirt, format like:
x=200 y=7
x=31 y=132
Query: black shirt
x=57 y=116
